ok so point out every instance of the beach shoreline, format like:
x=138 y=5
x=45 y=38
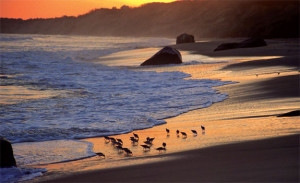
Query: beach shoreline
x=249 y=114
x=272 y=160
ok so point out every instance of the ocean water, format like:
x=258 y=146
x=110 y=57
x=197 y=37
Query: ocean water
x=87 y=99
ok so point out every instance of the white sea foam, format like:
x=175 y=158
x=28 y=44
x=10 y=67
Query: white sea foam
x=98 y=100
x=34 y=153
x=37 y=153
x=15 y=174
x=195 y=62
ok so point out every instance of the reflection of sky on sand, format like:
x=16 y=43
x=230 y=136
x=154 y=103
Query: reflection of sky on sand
x=217 y=133
x=33 y=153
x=199 y=66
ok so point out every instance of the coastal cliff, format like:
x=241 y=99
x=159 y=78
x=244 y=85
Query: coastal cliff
x=205 y=18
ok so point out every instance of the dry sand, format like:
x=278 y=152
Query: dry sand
x=260 y=147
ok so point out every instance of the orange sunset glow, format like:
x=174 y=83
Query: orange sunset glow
x=27 y=9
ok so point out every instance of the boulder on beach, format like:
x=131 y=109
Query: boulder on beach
x=248 y=43
x=185 y=38
x=7 y=158
x=253 y=42
x=227 y=46
x=167 y=55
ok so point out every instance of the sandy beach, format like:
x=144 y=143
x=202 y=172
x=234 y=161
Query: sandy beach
x=244 y=140
x=271 y=160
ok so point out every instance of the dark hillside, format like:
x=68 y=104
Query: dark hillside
x=205 y=18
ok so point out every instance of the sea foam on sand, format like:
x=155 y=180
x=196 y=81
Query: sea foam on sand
x=15 y=174
x=33 y=153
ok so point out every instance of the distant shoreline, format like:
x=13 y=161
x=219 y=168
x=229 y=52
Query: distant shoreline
x=206 y=18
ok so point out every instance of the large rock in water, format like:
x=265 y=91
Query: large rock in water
x=7 y=158
x=167 y=55
x=248 y=43
x=185 y=38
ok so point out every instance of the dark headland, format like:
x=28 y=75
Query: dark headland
x=205 y=18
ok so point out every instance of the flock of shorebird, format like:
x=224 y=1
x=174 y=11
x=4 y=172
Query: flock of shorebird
x=118 y=143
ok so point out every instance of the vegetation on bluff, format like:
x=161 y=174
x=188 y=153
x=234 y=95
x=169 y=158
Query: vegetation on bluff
x=205 y=18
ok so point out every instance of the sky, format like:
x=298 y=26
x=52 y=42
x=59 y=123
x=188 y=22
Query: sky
x=27 y=9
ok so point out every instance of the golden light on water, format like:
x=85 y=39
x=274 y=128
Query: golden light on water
x=16 y=94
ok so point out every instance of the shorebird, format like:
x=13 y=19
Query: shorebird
x=146 y=147
x=164 y=144
x=112 y=139
x=133 y=140
x=161 y=149
x=194 y=132
x=106 y=138
x=120 y=141
x=117 y=144
x=148 y=143
x=150 y=139
x=177 y=132
x=119 y=148
x=183 y=134
x=136 y=136
x=100 y=154
x=167 y=130
x=203 y=128
x=128 y=152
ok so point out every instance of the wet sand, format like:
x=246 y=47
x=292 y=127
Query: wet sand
x=231 y=149
x=271 y=160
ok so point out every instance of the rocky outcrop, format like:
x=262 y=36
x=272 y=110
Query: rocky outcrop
x=185 y=38
x=227 y=46
x=252 y=42
x=7 y=158
x=248 y=43
x=167 y=55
